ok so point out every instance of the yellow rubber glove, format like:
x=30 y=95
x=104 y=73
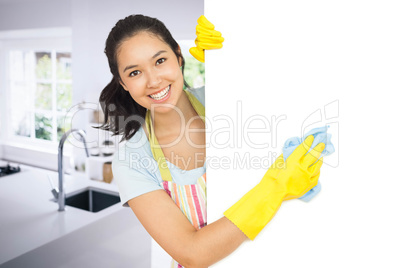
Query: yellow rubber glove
x=284 y=180
x=207 y=38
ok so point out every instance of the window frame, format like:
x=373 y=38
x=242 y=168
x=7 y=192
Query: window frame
x=50 y=39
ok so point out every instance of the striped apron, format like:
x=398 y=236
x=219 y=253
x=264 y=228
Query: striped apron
x=191 y=199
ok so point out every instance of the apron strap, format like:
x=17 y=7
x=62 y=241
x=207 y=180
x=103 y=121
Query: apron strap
x=197 y=105
x=155 y=147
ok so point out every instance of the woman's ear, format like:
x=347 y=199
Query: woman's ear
x=181 y=62
x=180 y=58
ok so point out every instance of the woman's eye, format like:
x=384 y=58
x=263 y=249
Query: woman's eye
x=160 y=61
x=134 y=73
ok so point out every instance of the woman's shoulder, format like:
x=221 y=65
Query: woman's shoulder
x=199 y=93
x=134 y=169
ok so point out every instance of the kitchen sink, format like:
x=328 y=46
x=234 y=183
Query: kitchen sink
x=92 y=199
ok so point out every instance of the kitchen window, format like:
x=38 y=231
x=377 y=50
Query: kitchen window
x=38 y=87
x=40 y=93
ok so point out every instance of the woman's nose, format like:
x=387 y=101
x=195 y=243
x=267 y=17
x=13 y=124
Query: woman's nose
x=153 y=79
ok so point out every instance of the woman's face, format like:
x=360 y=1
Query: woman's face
x=149 y=71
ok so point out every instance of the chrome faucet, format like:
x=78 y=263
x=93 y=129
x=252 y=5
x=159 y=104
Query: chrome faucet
x=60 y=195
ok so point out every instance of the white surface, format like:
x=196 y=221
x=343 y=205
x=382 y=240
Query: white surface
x=30 y=220
x=159 y=257
x=314 y=62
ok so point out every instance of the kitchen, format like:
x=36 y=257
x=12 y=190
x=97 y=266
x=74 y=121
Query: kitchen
x=347 y=51
x=61 y=44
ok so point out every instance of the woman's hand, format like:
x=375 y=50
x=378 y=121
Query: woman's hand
x=284 y=180
x=300 y=172
x=207 y=38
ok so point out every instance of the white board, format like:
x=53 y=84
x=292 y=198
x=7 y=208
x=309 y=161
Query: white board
x=287 y=67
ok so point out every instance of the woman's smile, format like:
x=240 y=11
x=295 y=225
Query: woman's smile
x=161 y=95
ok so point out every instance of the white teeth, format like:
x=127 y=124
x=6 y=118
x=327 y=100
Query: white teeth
x=161 y=94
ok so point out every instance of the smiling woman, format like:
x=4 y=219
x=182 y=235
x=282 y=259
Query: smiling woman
x=149 y=102
x=163 y=123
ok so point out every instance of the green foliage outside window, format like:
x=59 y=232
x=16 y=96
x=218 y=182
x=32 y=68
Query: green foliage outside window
x=43 y=66
x=43 y=127
x=194 y=72
x=44 y=92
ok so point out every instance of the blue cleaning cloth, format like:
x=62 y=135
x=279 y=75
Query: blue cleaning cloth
x=320 y=135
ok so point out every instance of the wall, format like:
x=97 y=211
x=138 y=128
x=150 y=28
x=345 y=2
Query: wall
x=17 y=15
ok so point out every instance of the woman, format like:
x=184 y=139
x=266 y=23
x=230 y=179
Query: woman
x=160 y=170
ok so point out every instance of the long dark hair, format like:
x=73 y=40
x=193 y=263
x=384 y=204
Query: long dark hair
x=123 y=115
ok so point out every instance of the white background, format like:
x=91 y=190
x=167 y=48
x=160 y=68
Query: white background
x=341 y=60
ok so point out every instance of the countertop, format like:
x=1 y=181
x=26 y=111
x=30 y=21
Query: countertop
x=29 y=219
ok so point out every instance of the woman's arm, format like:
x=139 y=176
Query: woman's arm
x=170 y=228
x=165 y=222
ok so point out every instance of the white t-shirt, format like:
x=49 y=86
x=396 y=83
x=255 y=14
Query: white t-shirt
x=136 y=171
